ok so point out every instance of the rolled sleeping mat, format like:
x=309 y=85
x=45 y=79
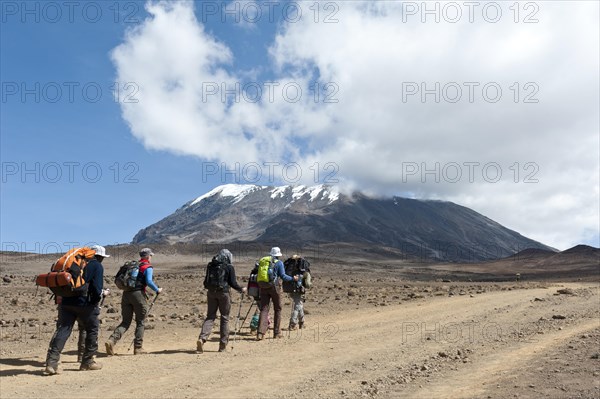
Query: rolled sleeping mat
x=307 y=280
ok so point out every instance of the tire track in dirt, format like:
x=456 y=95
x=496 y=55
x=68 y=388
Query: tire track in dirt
x=335 y=353
x=473 y=381
x=374 y=335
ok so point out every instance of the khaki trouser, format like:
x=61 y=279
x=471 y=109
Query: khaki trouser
x=132 y=303
x=298 y=309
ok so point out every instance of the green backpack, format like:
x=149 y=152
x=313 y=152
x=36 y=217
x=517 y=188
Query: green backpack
x=266 y=270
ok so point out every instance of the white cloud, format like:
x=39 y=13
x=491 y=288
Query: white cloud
x=373 y=134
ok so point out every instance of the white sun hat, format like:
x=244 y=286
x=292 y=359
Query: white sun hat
x=100 y=251
x=275 y=251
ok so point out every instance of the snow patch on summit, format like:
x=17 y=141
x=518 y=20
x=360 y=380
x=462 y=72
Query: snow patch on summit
x=238 y=191
x=278 y=192
x=314 y=192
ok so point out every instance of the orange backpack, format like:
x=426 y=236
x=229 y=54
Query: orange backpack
x=66 y=274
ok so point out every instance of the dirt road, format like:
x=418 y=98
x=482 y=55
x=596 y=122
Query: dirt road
x=452 y=347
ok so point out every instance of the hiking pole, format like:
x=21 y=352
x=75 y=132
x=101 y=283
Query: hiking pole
x=238 y=319
x=148 y=312
x=247 y=313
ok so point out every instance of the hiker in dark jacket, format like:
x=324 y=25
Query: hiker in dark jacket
x=272 y=291
x=84 y=309
x=218 y=298
x=135 y=302
x=297 y=291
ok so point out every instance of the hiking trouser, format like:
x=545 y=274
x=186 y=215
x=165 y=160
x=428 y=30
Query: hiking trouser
x=217 y=300
x=67 y=315
x=297 y=310
x=81 y=339
x=132 y=303
x=266 y=295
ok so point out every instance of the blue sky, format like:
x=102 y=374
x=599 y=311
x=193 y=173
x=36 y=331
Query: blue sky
x=38 y=208
x=151 y=153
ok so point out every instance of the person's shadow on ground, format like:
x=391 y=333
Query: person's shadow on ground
x=8 y=372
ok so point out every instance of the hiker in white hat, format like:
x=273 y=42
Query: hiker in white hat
x=83 y=307
x=100 y=255
x=270 y=274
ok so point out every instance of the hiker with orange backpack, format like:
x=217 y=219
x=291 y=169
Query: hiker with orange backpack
x=270 y=274
x=135 y=302
x=220 y=276
x=82 y=304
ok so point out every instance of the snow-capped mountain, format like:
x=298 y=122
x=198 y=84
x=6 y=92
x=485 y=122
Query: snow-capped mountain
x=240 y=191
x=305 y=215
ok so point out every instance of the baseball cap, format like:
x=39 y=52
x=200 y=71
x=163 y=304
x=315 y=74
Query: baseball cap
x=146 y=252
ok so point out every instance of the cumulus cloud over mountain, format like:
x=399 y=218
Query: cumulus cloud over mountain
x=497 y=115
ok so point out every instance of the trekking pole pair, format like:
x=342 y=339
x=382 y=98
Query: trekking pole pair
x=237 y=320
x=148 y=312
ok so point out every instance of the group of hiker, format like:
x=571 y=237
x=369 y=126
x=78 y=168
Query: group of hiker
x=77 y=280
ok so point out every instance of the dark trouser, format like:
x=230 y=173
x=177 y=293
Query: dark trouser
x=217 y=300
x=132 y=303
x=266 y=294
x=81 y=340
x=67 y=315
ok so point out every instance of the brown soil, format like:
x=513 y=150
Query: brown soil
x=371 y=332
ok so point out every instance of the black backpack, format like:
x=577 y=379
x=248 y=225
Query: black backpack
x=128 y=277
x=295 y=267
x=216 y=273
x=303 y=265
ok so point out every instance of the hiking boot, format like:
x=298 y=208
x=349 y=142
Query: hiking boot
x=260 y=337
x=139 y=351
x=292 y=327
x=301 y=325
x=277 y=336
x=222 y=347
x=51 y=370
x=110 y=347
x=90 y=366
x=199 y=345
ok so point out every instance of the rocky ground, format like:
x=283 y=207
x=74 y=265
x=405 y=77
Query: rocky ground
x=372 y=331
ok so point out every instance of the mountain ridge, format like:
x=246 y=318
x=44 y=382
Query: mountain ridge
x=301 y=215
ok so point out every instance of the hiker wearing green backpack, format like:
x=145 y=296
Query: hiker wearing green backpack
x=270 y=273
x=220 y=275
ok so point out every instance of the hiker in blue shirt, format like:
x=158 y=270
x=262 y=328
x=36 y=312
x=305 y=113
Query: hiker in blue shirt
x=150 y=281
x=135 y=303
x=272 y=291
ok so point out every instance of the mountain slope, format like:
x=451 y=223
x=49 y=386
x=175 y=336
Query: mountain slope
x=303 y=216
